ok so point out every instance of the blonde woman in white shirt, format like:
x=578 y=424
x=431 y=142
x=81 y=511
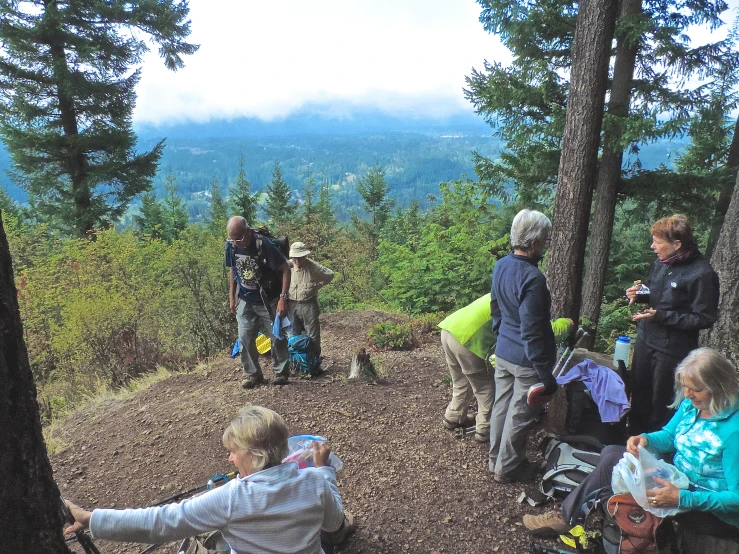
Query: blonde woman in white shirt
x=270 y=507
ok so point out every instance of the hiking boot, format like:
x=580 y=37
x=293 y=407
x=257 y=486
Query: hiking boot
x=280 y=380
x=253 y=381
x=526 y=472
x=466 y=421
x=549 y=524
x=339 y=536
x=482 y=438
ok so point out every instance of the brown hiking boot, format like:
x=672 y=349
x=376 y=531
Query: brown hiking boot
x=339 y=536
x=526 y=472
x=253 y=381
x=451 y=425
x=280 y=380
x=549 y=524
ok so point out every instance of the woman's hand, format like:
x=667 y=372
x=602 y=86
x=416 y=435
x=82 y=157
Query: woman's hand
x=320 y=453
x=667 y=496
x=631 y=293
x=633 y=444
x=644 y=314
x=81 y=518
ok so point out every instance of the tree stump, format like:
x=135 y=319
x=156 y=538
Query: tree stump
x=556 y=414
x=361 y=366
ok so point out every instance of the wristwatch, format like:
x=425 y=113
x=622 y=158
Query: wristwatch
x=285 y=296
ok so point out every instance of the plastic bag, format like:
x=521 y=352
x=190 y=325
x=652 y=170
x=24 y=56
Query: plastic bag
x=636 y=476
x=300 y=449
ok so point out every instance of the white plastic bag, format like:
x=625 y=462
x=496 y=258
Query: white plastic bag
x=300 y=448
x=636 y=476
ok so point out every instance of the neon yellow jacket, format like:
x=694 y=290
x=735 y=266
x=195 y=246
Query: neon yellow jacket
x=472 y=326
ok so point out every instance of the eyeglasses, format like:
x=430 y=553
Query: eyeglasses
x=234 y=241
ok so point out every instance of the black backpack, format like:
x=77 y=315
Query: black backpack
x=569 y=460
x=282 y=243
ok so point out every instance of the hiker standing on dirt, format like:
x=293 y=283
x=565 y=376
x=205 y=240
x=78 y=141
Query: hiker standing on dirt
x=682 y=296
x=526 y=350
x=467 y=337
x=258 y=288
x=306 y=280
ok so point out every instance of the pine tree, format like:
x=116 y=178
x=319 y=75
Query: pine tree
x=373 y=189
x=67 y=96
x=29 y=497
x=596 y=22
x=150 y=219
x=174 y=212
x=8 y=205
x=279 y=208
x=241 y=198
x=218 y=208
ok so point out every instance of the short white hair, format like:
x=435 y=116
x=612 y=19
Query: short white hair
x=529 y=225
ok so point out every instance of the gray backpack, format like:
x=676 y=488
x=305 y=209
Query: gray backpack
x=569 y=460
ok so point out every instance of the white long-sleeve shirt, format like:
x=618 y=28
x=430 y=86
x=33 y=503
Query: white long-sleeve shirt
x=278 y=510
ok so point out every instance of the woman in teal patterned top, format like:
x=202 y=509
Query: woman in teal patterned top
x=703 y=436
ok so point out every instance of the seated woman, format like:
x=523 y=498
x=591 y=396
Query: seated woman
x=703 y=435
x=269 y=507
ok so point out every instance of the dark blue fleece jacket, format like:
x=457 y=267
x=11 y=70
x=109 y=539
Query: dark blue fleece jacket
x=520 y=305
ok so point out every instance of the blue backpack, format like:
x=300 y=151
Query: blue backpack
x=301 y=358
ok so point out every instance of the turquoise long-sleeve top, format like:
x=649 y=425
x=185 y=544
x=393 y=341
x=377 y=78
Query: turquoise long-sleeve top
x=707 y=451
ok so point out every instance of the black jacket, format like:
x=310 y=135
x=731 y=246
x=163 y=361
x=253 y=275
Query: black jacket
x=685 y=296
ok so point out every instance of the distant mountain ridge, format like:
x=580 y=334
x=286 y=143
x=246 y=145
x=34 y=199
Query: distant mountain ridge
x=333 y=146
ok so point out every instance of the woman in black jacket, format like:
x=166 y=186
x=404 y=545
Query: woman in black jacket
x=683 y=299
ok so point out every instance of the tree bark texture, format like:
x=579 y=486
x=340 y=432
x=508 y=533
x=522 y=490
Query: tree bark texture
x=724 y=335
x=609 y=174
x=29 y=498
x=596 y=21
x=722 y=204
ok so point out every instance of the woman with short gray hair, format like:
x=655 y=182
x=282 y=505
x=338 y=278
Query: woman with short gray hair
x=269 y=507
x=528 y=226
x=526 y=350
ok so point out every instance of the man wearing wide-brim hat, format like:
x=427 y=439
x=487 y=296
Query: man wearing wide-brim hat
x=307 y=279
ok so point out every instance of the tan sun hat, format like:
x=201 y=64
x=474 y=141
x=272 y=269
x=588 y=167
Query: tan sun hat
x=298 y=250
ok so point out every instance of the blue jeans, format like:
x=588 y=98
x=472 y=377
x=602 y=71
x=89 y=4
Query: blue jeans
x=249 y=316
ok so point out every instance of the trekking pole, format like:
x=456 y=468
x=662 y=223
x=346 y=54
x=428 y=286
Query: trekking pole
x=85 y=541
x=225 y=477
x=209 y=485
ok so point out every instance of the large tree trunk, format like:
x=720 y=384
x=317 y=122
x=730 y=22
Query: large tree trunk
x=724 y=335
x=29 y=498
x=722 y=204
x=609 y=174
x=591 y=53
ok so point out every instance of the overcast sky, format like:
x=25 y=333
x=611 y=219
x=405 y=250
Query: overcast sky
x=268 y=58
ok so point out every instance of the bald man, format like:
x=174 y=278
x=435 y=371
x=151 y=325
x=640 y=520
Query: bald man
x=258 y=288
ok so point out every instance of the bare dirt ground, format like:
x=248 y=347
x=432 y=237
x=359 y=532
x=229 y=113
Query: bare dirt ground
x=413 y=487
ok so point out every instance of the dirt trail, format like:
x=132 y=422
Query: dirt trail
x=413 y=486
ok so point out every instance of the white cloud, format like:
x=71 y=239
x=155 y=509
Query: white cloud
x=266 y=59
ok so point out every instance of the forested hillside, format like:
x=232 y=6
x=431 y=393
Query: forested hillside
x=417 y=155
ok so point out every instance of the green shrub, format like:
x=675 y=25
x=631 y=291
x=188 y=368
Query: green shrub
x=391 y=336
x=429 y=323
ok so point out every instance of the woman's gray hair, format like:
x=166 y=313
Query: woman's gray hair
x=529 y=225
x=712 y=371
x=261 y=432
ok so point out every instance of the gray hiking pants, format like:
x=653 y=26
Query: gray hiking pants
x=511 y=417
x=304 y=318
x=249 y=317
x=470 y=377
